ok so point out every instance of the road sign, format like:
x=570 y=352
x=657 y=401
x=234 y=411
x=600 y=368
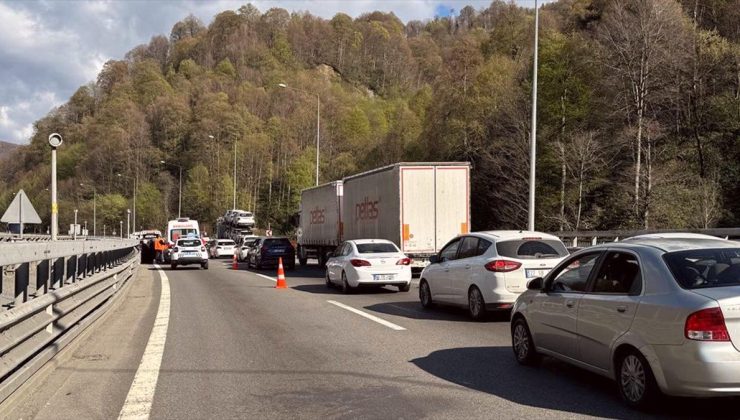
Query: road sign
x=268 y=232
x=21 y=211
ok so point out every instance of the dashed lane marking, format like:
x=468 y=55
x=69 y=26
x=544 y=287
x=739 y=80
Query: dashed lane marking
x=138 y=403
x=265 y=277
x=380 y=321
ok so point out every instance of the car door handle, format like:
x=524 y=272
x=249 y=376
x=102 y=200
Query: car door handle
x=621 y=309
x=570 y=304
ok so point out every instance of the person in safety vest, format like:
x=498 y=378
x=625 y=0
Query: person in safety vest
x=160 y=245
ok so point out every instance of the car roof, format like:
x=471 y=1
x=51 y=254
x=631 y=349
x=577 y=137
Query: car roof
x=502 y=235
x=370 y=241
x=676 y=243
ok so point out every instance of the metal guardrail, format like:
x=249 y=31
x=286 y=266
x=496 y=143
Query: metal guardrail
x=74 y=280
x=596 y=237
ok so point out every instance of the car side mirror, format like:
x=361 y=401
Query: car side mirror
x=434 y=259
x=536 y=284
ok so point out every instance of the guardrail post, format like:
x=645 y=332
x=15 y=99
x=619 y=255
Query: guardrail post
x=42 y=277
x=21 y=283
x=81 y=266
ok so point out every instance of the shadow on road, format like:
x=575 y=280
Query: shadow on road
x=321 y=289
x=414 y=310
x=555 y=385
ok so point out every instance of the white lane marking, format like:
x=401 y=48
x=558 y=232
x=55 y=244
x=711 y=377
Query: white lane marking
x=266 y=277
x=138 y=403
x=380 y=321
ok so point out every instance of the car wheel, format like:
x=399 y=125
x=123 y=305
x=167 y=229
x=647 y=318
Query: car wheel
x=425 y=294
x=635 y=380
x=404 y=287
x=522 y=343
x=346 y=288
x=258 y=264
x=329 y=283
x=476 y=305
x=173 y=266
x=204 y=266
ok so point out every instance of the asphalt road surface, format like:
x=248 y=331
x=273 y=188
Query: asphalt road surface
x=236 y=347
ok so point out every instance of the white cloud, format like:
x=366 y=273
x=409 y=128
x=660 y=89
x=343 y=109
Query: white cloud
x=50 y=48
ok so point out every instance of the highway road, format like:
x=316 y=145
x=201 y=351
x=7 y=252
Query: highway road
x=227 y=344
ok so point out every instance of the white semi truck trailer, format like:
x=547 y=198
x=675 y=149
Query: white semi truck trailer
x=419 y=206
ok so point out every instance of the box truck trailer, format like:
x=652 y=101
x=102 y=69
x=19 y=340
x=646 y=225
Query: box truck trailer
x=419 y=206
x=320 y=222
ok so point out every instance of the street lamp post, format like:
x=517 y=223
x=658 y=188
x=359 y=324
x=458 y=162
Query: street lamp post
x=533 y=142
x=74 y=227
x=55 y=140
x=179 y=199
x=318 y=122
x=120 y=228
x=128 y=223
x=95 y=230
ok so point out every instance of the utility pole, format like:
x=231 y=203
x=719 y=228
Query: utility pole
x=234 y=175
x=533 y=142
x=318 y=131
x=74 y=227
x=128 y=223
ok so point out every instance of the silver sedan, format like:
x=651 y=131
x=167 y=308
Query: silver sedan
x=657 y=314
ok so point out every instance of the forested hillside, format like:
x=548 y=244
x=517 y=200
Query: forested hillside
x=639 y=114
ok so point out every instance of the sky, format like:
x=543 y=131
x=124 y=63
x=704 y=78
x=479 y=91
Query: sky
x=49 y=48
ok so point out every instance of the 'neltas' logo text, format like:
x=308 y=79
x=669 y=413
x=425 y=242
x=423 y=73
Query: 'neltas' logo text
x=367 y=209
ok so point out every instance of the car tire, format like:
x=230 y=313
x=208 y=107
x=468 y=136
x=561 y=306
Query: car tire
x=204 y=266
x=476 y=304
x=258 y=264
x=346 y=288
x=173 y=266
x=425 y=294
x=303 y=261
x=522 y=343
x=635 y=380
x=404 y=287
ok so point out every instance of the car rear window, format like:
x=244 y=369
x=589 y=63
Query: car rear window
x=704 y=268
x=377 y=248
x=531 y=248
x=277 y=242
x=189 y=242
x=227 y=243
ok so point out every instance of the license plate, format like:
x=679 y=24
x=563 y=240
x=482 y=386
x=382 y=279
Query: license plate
x=383 y=277
x=532 y=273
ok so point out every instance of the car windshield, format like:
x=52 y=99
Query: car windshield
x=704 y=268
x=176 y=234
x=188 y=242
x=376 y=248
x=226 y=243
x=531 y=248
x=245 y=214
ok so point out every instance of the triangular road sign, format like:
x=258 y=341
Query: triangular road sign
x=21 y=211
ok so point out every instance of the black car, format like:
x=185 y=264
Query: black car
x=267 y=250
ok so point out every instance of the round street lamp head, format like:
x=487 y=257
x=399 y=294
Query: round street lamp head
x=162 y=162
x=210 y=136
x=55 y=140
x=282 y=85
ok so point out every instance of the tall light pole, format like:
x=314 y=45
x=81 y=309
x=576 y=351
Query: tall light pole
x=234 y=175
x=318 y=122
x=55 y=140
x=95 y=230
x=120 y=228
x=128 y=223
x=179 y=199
x=74 y=228
x=533 y=142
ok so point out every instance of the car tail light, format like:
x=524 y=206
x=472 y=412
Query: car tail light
x=202 y=248
x=404 y=261
x=706 y=325
x=502 y=266
x=360 y=263
x=175 y=249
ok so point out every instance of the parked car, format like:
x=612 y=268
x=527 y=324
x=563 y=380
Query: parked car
x=368 y=262
x=219 y=248
x=247 y=242
x=488 y=270
x=656 y=314
x=189 y=251
x=269 y=250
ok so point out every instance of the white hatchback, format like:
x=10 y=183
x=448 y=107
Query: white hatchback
x=222 y=248
x=368 y=262
x=488 y=270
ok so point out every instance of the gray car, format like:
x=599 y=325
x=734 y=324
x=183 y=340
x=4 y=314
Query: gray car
x=657 y=314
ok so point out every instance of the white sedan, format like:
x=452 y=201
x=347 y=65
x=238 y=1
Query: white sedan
x=485 y=271
x=368 y=262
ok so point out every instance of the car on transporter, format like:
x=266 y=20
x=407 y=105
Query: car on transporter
x=656 y=313
x=189 y=251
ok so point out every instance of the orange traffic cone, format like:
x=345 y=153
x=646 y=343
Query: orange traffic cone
x=234 y=263
x=281 y=276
